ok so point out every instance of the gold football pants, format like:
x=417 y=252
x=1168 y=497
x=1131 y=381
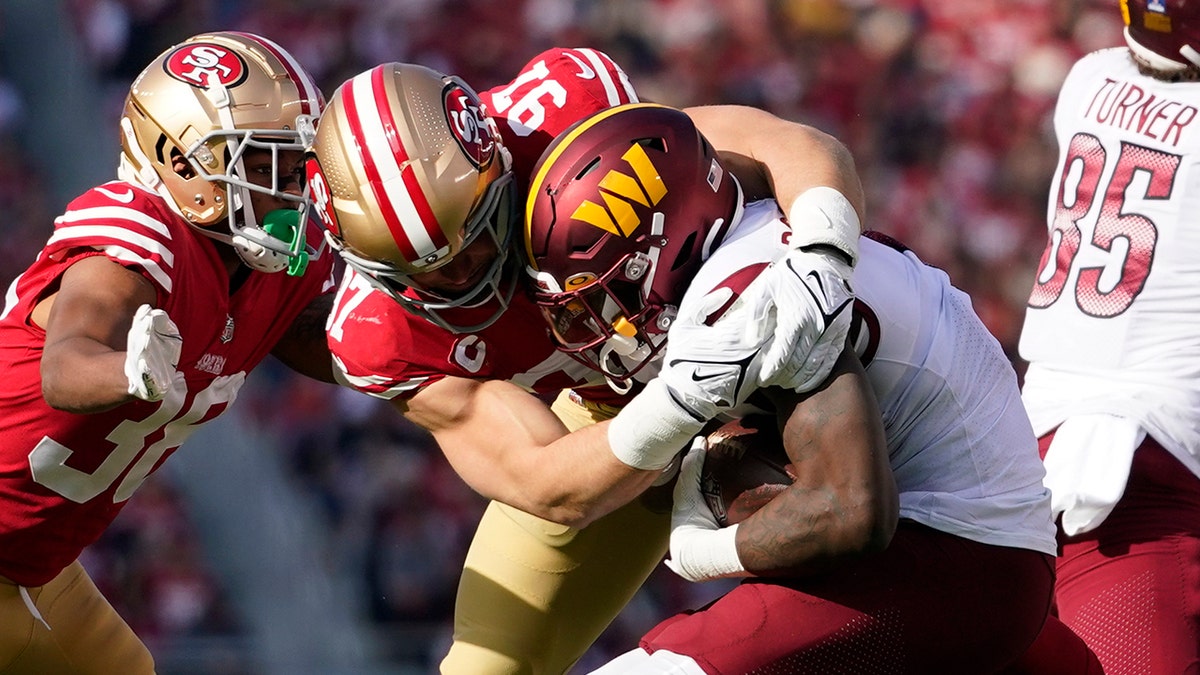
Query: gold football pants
x=86 y=636
x=534 y=595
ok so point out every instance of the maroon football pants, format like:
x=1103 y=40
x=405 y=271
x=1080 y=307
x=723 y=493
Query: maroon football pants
x=930 y=603
x=1131 y=587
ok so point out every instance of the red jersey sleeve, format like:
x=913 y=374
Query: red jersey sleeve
x=375 y=344
x=127 y=223
x=553 y=91
x=383 y=350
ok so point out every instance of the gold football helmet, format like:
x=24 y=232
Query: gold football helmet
x=407 y=173
x=208 y=100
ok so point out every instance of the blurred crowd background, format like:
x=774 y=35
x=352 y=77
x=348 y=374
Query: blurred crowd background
x=946 y=106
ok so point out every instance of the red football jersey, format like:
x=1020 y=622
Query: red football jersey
x=64 y=477
x=553 y=91
x=383 y=350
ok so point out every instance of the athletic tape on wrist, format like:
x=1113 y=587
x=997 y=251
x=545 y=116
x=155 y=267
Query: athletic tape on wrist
x=823 y=216
x=651 y=429
x=712 y=554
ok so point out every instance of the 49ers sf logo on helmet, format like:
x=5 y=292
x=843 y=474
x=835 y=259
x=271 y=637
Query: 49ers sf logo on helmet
x=197 y=64
x=318 y=192
x=469 y=126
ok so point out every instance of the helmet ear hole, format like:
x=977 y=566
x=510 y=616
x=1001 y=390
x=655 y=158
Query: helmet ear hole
x=180 y=165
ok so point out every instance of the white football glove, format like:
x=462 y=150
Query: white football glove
x=706 y=370
x=807 y=298
x=712 y=369
x=152 y=354
x=700 y=549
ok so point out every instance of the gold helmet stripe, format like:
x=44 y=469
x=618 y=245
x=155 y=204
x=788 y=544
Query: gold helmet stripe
x=562 y=143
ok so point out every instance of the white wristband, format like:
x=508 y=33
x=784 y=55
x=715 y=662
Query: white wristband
x=651 y=429
x=702 y=555
x=823 y=216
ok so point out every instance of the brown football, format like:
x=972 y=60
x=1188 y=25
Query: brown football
x=745 y=467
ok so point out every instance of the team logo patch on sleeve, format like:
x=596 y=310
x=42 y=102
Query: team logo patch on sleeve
x=199 y=63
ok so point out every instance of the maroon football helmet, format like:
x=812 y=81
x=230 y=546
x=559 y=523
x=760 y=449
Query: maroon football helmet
x=623 y=208
x=1163 y=34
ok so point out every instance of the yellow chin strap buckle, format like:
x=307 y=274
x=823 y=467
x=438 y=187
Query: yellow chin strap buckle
x=622 y=326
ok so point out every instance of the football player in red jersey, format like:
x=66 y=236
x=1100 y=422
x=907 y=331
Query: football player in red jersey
x=922 y=545
x=139 y=320
x=1112 y=338
x=418 y=182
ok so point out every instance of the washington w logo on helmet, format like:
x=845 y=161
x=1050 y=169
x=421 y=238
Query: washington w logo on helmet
x=618 y=190
x=622 y=212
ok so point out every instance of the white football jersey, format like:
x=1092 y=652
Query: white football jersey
x=1113 y=322
x=959 y=442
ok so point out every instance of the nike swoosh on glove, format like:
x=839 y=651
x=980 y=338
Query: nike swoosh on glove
x=711 y=369
x=706 y=370
x=809 y=302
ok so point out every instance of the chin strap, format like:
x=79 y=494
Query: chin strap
x=609 y=357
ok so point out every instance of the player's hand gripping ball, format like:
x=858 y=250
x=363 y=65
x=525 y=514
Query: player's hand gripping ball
x=745 y=467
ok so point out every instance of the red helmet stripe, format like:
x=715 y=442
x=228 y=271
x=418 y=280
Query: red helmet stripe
x=402 y=203
x=355 y=122
x=310 y=101
x=412 y=187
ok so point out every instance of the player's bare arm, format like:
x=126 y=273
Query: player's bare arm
x=843 y=502
x=87 y=322
x=812 y=176
x=772 y=156
x=508 y=446
x=304 y=347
